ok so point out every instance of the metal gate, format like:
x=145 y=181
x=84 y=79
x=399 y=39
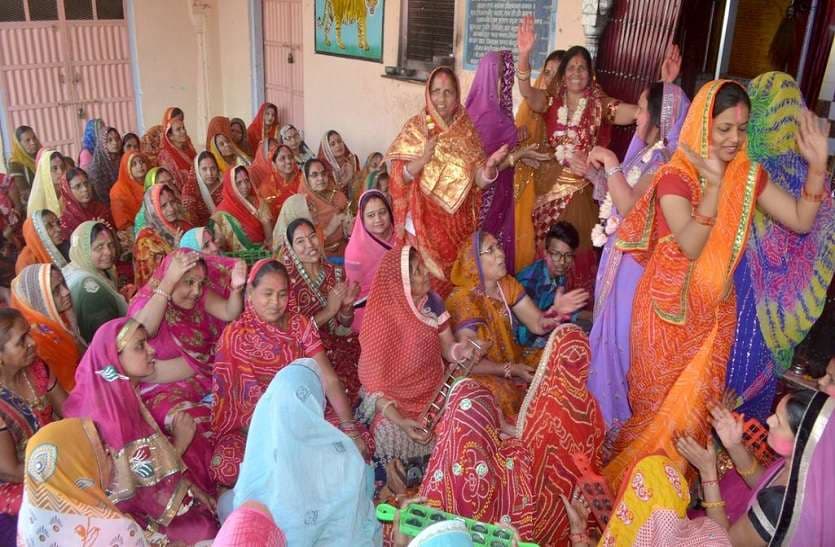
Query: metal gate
x=63 y=62
x=283 y=68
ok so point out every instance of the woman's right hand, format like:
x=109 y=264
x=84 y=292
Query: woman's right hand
x=525 y=36
x=579 y=164
x=702 y=458
x=335 y=297
x=578 y=512
x=182 y=263
x=414 y=430
x=711 y=168
x=522 y=372
x=728 y=426
x=566 y=303
x=602 y=158
x=183 y=429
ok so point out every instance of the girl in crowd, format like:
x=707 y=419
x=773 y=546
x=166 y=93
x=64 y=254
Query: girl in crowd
x=242 y=220
x=104 y=169
x=155 y=175
x=485 y=304
x=66 y=480
x=80 y=201
x=25 y=148
x=41 y=294
x=684 y=319
x=45 y=241
x=152 y=139
x=341 y=164
x=436 y=209
x=203 y=190
x=241 y=376
x=320 y=203
x=127 y=192
x=46 y=184
x=264 y=125
x=92 y=279
x=662 y=109
x=30 y=397
x=240 y=138
x=130 y=143
x=152 y=481
x=289 y=444
x=318 y=290
x=176 y=152
x=92 y=129
x=160 y=237
x=219 y=142
x=373 y=235
x=293 y=138
x=275 y=175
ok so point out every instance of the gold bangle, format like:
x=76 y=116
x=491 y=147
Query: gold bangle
x=713 y=504
x=523 y=74
x=704 y=220
x=748 y=472
x=512 y=160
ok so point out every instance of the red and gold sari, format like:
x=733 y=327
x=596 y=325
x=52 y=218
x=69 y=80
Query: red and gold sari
x=152 y=139
x=256 y=132
x=176 y=160
x=437 y=209
x=684 y=313
x=269 y=183
x=219 y=125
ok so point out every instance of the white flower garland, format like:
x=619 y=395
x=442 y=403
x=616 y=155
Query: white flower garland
x=565 y=138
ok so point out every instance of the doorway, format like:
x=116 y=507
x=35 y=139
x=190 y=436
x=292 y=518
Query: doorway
x=283 y=59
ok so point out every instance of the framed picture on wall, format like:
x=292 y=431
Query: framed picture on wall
x=350 y=28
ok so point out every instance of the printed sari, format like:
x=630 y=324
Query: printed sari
x=126 y=195
x=619 y=273
x=92 y=129
x=199 y=202
x=237 y=219
x=782 y=278
x=243 y=145
x=491 y=320
x=412 y=379
x=249 y=354
x=341 y=171
x=150 y=483
x=256 y=132
x=56 y=335
x=364 y=253
x=65 y=492
x=219 y=125
x=176 y=160
x=156 y=240
x=95 y=295
x=39 y=247
x=75 y=213
x=45 y=192
x=269 y=183
x=21 y=161
x=436 y=210
x=308 y=297
x=105 y=167
x=490 y=107
x=152 y=139
x=684 y=310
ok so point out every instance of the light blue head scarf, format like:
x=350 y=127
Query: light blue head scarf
x=193 y=239
x=308 y=473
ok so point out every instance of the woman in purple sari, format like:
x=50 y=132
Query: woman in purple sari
x=490 y=107
x=661 y=112
x=184 y=315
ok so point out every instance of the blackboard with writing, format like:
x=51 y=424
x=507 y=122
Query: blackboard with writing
x=491 y=26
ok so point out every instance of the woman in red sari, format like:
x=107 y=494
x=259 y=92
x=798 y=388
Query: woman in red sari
x=318 y=290
x=251 y=351
x=275 y=175
x=434 y=162
x=152 y=139
x=343 y=165
x=242 y=219
x=80 y=202
x=203 y=190
x=163 y=229
x=176 y=152
x=519 y=480
x=264 y=125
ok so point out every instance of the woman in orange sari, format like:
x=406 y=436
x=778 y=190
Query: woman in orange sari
x=165 y=226
x=126 y=193
x=41 y=295
x=45 y=241
x=152 y=139
x=275 y=175
x=219 y=142
x=433 y=164
x=176 y=152
x=237 y=129
x=684 y=312
x=264 y=125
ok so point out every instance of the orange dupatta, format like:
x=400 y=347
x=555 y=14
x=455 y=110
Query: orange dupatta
x=56 y=336
x=255 y=132
x=323 y=207
x=684 y=310
x=126 y=194
x=269 y=183
x=220 y=125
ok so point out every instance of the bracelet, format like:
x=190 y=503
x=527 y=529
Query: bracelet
x=508 y=373
x=713 y=504
x=163 y=294
x=708 y=483
x=523 y=75
x=814 y=198
x=704 y=220
x=512 y=159
x=610 y=172
x=748 y=472
x=580 y=538
x=483 y=172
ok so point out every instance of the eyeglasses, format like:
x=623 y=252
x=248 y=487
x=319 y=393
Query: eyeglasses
x=561 y=257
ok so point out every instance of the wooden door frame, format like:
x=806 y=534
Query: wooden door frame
x=256 y=53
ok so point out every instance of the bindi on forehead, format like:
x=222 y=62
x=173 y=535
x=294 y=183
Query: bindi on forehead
x=739 y=111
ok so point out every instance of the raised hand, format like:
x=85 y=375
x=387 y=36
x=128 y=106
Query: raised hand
x=525 y=35
x=701 y=457
x=812 y=136
x=238 y=278
x=711 y=168
x=180 y=264
x=429 y=149
x=566 y=303
x=335 y=297
x=496 y=158
x=671 y=65
x=351 y=293
x=728 y=426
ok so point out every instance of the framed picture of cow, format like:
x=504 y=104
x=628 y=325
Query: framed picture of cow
x=350 y=28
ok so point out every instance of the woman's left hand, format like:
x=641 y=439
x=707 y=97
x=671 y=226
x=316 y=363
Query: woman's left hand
x=579 y=164
x=566 y=303
x=671 y=65
x=238 y=278
x=812 y=137
x=496 y=159
x=701 y=457
x=578 y=512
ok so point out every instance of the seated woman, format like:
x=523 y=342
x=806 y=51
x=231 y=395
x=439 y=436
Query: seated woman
x=264 y=126
x=152 y=480
x=91 y=278
x=45 y=241
x=29 y=398
x=25 y=148
x=289 y=445
x=127 y=192
x=185 y=314
x=275 y=175
x=373 y=164
x=402 y=307
x=785 y=501
x=219 y=143
x=324 y=206
x=40 y=293
x=318 y=290
x=80 y=202
x=152 y=139
x=104 y=170
x=250 y=524
x=242 y=375
x=88 y=142
x=130 y=143
x=242 y=220
x=46 y=184
x=203 y=189
x=485 y=304
x=155 y=175
x=548 y=279
x=373 y=235
x=176 y=152
x=201 y=239
x=342 y=165
x=293 y=138
x=484 y=469
x=67 y=478
x=164 y=215
x=240 y=138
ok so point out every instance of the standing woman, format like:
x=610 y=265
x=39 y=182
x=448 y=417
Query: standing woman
x=92 y=129
x=240 y=138
x=25 y=148
x=104 y=170
x=80 y=203
x=433 y=164
x=219 y=142
x=242 y=220
x=293 y=138
x=264 y=125
x=46 y=184
x=203 y=190
x=154 y=242
x=275 y=175
x=684 y=313
x=342 y=164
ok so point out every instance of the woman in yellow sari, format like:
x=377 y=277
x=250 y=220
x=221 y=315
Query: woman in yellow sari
x=684 y=312
x=25 y=147
x=46 y=186
x=219 y=142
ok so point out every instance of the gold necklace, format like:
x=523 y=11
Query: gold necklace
x=36 y=403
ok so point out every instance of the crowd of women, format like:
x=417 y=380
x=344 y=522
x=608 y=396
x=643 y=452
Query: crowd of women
x=256 y=336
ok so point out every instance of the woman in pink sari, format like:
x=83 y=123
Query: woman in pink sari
x=372 y=236
x=151 y=481
x=185 y=313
